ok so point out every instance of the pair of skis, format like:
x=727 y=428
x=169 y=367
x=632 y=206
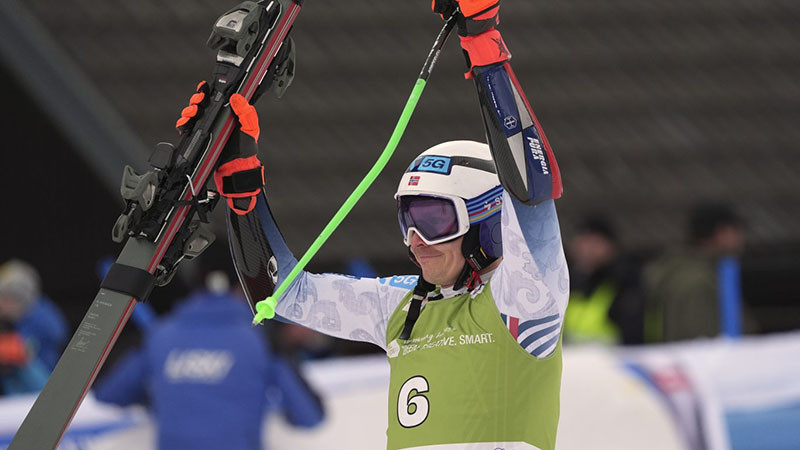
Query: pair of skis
x=163 y=222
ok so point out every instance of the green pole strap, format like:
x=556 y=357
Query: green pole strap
x=265 y=309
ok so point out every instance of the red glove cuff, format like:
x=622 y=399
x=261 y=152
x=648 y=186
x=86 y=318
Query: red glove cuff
x=485 y=49
x=240 y=178
x=489 y=14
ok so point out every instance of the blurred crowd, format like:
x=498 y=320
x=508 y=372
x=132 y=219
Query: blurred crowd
x=690 y=290
x=619 y=297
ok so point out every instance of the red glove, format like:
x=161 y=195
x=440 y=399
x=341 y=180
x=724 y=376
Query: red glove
x=480 y=39
x=196 y=102
x=476 y=17
x=240 y=174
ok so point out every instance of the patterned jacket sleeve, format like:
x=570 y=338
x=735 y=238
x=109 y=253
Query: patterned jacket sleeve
x=341 y=306
x=531 y=285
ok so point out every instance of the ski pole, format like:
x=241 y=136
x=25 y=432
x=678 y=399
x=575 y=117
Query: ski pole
x=265 y=309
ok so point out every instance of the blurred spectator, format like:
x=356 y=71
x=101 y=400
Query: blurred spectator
x=682 y=286
x=361 y=267
x=31 y=313
x=207 y=373
x=20 y=371
x=605 y=304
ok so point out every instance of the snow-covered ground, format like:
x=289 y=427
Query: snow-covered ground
x=611 y=399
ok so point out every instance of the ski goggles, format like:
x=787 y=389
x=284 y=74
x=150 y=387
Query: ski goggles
x=433 y=219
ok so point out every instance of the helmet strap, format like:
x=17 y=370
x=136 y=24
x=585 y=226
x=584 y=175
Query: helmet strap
x=476 y=260
x=413 y=258
x=421 y=291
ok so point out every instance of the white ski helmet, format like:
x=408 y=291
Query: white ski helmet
x=448 y=190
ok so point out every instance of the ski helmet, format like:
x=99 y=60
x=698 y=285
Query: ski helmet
x=452 y=190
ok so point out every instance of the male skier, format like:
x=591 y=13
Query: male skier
x=474 y=347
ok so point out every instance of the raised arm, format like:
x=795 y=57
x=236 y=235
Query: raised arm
x=531 y=285
x=337 y=305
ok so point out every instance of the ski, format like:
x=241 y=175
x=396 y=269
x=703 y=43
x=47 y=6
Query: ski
x=165 y=217
x=253 y=257
x=525 y=162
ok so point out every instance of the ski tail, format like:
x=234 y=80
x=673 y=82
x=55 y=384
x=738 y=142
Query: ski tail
x=526 y=164
x=253 y=258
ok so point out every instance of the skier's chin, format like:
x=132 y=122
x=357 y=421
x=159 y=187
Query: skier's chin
x=430 y=274
x=434 y=275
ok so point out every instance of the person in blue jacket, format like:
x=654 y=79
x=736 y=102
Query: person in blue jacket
x=41 y=327
x=199 y=368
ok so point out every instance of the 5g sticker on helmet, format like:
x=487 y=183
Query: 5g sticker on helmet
x=435 y=164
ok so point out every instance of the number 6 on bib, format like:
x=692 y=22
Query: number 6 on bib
x=407 y=418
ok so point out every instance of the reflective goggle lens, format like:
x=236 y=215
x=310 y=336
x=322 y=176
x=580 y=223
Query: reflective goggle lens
x=434 y=218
